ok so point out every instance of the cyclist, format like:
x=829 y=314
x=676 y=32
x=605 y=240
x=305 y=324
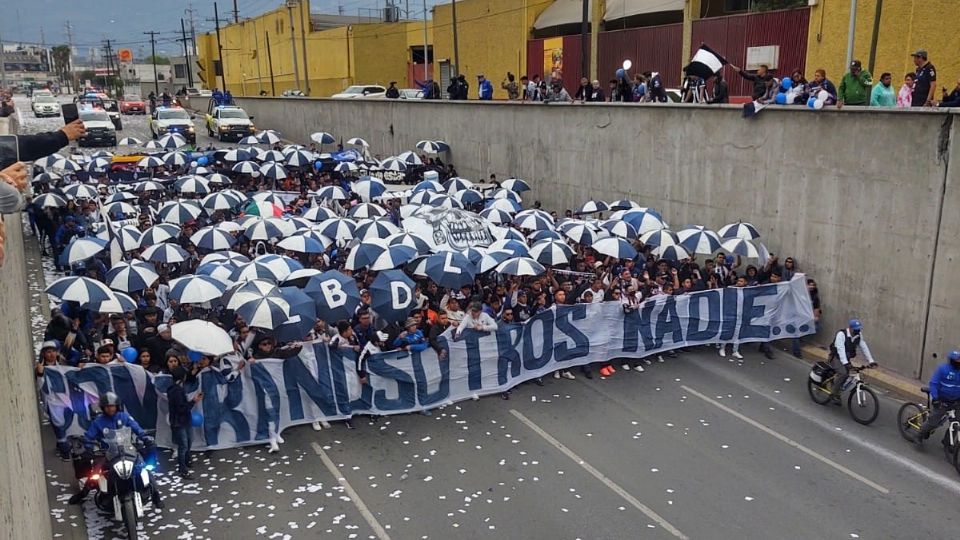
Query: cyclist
x=842 y=351
x=944 y=395
x=112 y=418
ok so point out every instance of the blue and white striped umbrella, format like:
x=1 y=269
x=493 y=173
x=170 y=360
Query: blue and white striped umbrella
x=661 y=237
x=368 y=188
x=333 y=193
x=393 y=257
x=249 y=140
x=428 y=185
x=492 y=259
x=418 y=266
x=592 y=207
x=365 y=253
x=410 y=158
x=80 y=191
x=338 y=229
x=192 y=184
x=221 y=271
x=102 y=154
x=699 y=239
x=46 y=177
x=578 y=231
x=282 y=266
x=537 y=236
x=152 y=145
x=48 y=161
x=147 y=186
x=237 y=155
x=172 y=141
x=219 y=200
x=444 y=201
x=739 y=229
x=366 y=211
x=65 y=165
x=317 y=214
x=347 y=167
x=201 y=170
x=264 y=229
x=644 y=220
x=120 y=196
x=196 y=289
x=422 y=197
x=620 y=228
x=131 y=276
x=624 y=204
x=357 y=141
x=533 y=222
x=450 y=269
x=231 y=257
x=428 y=147
x=507 y=233
x=163 y=232
x=128 y=236
x=475 y=255
x=516 y=185
x=505 y=205
x=246 y=167
x=81 y=249
x=49 y=200
x=272 y=156
x=407 y=239
x=212 y=239
x=129 y=141
x=268 y=136
x=517 y=247
x=302 y=243
x=468 y=197
x=393 y=165
x=672 y=252
x=150 y=162
x=251 y=289
x=300 y=158
x=456 y=184
x=175 y=159
x=322 y=137
x=269 y=197
x=741 y=247
x=268 y=313
x=496 y=216
x=615 y=247
x=97 y=165
x=165 y=253
x=521 y=266
x=178 y=212
x=551 y=252
x=79 y=289
x=117 y=303
x=374 y=228
x=273 y=171
x=218 y=179
x=506 y=194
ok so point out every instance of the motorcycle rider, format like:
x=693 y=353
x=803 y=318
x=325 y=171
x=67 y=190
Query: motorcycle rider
x=842 y=351
x=113 y=418
x=944 y=395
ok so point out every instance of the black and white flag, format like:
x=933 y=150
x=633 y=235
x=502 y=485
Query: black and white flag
x=706 y=63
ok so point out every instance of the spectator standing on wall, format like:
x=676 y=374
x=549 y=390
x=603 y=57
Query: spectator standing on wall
x=821 y=82
x=953 y=98
x=558 y=93
x=529 y=89
x=584 y=90
x=484 y=88
x=655 y=90
x=639 y=88
x=761 y=80
x=510 y=85
x=925 y=85
x=882 y=94
x=855 y=86
x=721 y=91
x=905 y=96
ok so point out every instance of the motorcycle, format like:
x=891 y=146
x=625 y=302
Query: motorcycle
x=120 y=477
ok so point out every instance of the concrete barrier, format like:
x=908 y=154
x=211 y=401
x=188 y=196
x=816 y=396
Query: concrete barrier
x=24 y=511
x=855 y=196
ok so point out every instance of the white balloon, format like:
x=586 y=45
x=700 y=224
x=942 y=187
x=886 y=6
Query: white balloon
x=627 y=64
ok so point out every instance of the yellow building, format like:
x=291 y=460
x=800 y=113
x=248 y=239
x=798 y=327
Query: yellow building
x=361 y=53
x=492 y=38
x=905 y=26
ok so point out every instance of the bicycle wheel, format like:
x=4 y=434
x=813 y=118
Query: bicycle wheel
x=909 y=419
x=865 y=409
x=819 y=393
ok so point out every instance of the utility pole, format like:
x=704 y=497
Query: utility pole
x=303 y=40
x=153 y=54
x=193 y=33
x=186 y=53
x=456 y=42
x=216 y=21
x=256 y=51
x=273 y=87
x=584 y=40
x=293 y=45
x=108 y=56
x=3 y=66
x=426 y=76
x=851 y=31
x=236 y=13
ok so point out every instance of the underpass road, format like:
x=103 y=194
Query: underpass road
x=697 y=447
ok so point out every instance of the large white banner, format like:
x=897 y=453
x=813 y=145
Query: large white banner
x=267 y=396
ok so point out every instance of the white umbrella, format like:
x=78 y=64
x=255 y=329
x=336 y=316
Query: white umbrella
x=521 y=266
x=196 y=289
x=202 y=336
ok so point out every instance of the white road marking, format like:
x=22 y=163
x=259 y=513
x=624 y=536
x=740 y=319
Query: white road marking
x=599 y=475
x=357 y=501
x=788 y=441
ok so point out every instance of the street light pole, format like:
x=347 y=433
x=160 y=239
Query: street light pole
x=425 y=53
x=293 y=45
x=850 y=32
x=456 y=41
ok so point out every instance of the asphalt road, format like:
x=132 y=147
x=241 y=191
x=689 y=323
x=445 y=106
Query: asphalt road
x=697 y=447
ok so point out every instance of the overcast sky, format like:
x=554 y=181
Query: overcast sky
x=124 y=21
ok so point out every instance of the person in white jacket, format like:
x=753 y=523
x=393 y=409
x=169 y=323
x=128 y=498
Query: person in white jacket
x=477 y=320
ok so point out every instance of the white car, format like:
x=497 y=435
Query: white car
x=411 y=93
x=198 y=92
x=45 y=105
x=99 y=126
x=164 y=120
x=362 y=91
x=228 y=122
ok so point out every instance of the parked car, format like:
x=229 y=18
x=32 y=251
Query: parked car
x=193 y=92
x=45 y=105
x=362 y=91
x=99 y=128
x=166 y=120
x=132 y=104
x=292 y=93
x=228 y=122
x=411 y=93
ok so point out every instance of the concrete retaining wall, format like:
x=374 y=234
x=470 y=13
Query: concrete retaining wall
x=24 y=512
x=854 y=196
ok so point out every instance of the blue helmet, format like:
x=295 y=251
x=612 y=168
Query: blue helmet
x=954 y=355
x=855 y=324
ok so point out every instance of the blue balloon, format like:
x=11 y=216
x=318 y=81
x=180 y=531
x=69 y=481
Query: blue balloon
x=196 y=419
x=786 y=84
x=203 y=160
x=194 y=356
x=317 y=165
x=812 y=102
x=781 y=99
x=130 y=355
x=621 y=73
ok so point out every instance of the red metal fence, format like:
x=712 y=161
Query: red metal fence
x=652 y=48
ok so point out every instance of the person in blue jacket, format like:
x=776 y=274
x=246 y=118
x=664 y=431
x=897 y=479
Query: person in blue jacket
x=485 y=88
x=412 y=338
x=113 y=418
x=944 y=394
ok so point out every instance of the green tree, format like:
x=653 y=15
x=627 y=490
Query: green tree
x=61 y=60
x=158 y=60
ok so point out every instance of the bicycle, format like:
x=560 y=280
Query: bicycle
x=911 y=417
x=862 y=402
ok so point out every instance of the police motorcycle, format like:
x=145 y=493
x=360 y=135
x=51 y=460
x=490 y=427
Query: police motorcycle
x=119 y=474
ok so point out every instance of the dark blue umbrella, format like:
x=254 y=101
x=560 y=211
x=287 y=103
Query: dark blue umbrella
x=303 y=315
x=336 y=296
x=450 y=269
x=393 y=295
